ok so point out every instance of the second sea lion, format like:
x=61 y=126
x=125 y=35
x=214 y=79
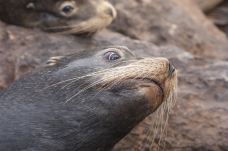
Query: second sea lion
x=85 y=101
x=68 y=16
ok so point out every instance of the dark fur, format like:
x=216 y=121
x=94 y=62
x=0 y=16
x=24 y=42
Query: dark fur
x=34 y=115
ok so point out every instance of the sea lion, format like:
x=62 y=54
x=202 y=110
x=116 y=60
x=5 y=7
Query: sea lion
x=68 y=16
x=84 y=101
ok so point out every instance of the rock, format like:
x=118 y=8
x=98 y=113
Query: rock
x=219 y=16
x=199 y=120
x=177 y=22
x=207 y=5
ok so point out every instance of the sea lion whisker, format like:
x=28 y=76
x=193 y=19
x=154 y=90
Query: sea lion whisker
x=75 y=78
x=166 y=110
x=70 y=83
x=84 y=89
x=160 y=121
x=61 y=82
x=101 y=81
x=156 y=126
x=58 y=83
x=102 y=88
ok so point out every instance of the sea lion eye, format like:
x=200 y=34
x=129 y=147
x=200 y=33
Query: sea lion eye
x=67 y=8
x=111 y=56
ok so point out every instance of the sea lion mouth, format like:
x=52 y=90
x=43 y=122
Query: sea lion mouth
x=140 y=82
x=148 y=80
x=150 y=89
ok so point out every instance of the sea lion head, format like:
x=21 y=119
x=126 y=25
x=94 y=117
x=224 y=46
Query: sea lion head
x=84 y=101
x=67 y=16
x=117 y=69
x=118 y=87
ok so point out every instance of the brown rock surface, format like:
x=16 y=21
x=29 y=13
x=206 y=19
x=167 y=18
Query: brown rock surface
x=178 y=22
x=219 y=15
x=207 y=5
x=199 y=121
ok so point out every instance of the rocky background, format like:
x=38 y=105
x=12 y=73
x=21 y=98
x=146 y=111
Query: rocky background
x=195 y=41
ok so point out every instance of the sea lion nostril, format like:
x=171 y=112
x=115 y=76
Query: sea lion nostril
x=171 y=69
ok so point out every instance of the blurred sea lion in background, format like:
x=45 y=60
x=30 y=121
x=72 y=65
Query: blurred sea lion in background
x=67 y=16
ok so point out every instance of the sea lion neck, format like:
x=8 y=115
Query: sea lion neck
x=89 y=121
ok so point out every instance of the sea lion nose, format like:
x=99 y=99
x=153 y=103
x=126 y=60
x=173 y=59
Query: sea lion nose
x=171 y=70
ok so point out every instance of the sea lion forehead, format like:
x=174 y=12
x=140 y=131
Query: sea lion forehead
x=98 y=53
x=122 y=50
x=71 y=1
x=94 y=59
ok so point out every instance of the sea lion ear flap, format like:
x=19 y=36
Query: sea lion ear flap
x=31 y=4
x=54 y=60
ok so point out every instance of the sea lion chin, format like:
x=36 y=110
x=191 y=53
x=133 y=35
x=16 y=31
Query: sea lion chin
x=65 y=16
x=84 y=101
